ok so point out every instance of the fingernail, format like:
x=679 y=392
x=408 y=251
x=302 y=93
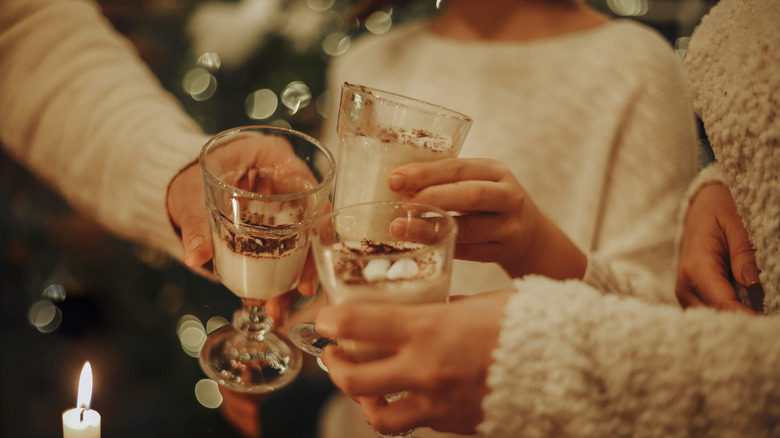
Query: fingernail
x=397 y=182
x=755 y=296
x=750 y=275
x=193 y=244
x=398 y=228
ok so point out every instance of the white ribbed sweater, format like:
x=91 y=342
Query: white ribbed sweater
x=83 y=112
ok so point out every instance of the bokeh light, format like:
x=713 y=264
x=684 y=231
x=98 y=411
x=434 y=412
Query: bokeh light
x=54 y=292
x=282 y=123
x=681 y=46
x=336 y=43
x=215 y=322
x=629 y=8
x=379 y=22
x=296 y=95
x=192 y=335
x=210 y=60
x=320 y=5
x=44 y=316
x=199 y=84
x=261 y=104
x=322 y=103
x=207 y=393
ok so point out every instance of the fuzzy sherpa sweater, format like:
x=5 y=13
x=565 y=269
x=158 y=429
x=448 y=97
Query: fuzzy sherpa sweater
x=733 y=71
x=82 y=111
x=573 y=362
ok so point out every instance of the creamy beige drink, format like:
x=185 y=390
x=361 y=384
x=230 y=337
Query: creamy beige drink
x=391 y=272
x=365 y=160
x=404 y=257
x=394 y=272
x=379 y=131
x=257 y=267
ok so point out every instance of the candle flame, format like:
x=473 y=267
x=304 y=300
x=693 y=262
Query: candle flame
x=85 y=387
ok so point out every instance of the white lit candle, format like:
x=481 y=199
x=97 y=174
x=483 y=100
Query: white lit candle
x=81 y=421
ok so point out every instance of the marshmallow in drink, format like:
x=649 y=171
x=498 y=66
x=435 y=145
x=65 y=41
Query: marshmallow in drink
x=376 y=270
x=403 y=269
x=397 y=272
x=381 y=269
x=404 y=274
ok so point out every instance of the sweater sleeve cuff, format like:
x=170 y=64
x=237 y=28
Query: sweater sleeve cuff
x=533 y=344
x=711 y=174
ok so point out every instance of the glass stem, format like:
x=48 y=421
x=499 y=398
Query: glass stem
x=251 y=319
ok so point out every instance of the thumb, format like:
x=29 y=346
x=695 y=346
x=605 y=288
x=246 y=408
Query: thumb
x=742 y=255
x=743 y=265
x=745 y=269
x=187 y=210
x=195 y=239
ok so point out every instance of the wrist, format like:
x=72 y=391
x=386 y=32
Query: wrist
x=550 y=253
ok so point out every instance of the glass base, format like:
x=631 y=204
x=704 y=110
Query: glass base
x=305 y=336
x=390 y=399
x=249 y=365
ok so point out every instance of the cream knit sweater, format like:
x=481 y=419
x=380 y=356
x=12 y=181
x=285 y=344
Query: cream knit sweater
x=595 y=125
x=83 y=112
x=575 y=363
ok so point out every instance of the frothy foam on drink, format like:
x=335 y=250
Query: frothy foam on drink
x=415 y=138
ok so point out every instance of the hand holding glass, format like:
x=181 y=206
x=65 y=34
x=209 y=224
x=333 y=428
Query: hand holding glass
x=404 y=257
x=264 y=187
x=378 y=131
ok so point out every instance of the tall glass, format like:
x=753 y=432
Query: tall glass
x=379 y=131
x=264 y=188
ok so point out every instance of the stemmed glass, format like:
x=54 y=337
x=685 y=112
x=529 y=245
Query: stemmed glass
x=391 y=252
x=264 y=187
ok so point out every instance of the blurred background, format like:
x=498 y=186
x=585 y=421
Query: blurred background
x=69 y=292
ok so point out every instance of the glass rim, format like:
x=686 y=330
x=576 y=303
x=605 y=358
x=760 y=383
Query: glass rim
x=448 y=218
x=263 y=128
x=400 y=99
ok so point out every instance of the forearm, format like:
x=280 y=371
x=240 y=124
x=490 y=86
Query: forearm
x=551 y=253
x=84 y=113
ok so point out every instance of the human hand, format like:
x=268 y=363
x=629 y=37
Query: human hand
x=441 y=355
x=497 y=220
x=714 y=246
x=187 y=211
x=268 y=166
